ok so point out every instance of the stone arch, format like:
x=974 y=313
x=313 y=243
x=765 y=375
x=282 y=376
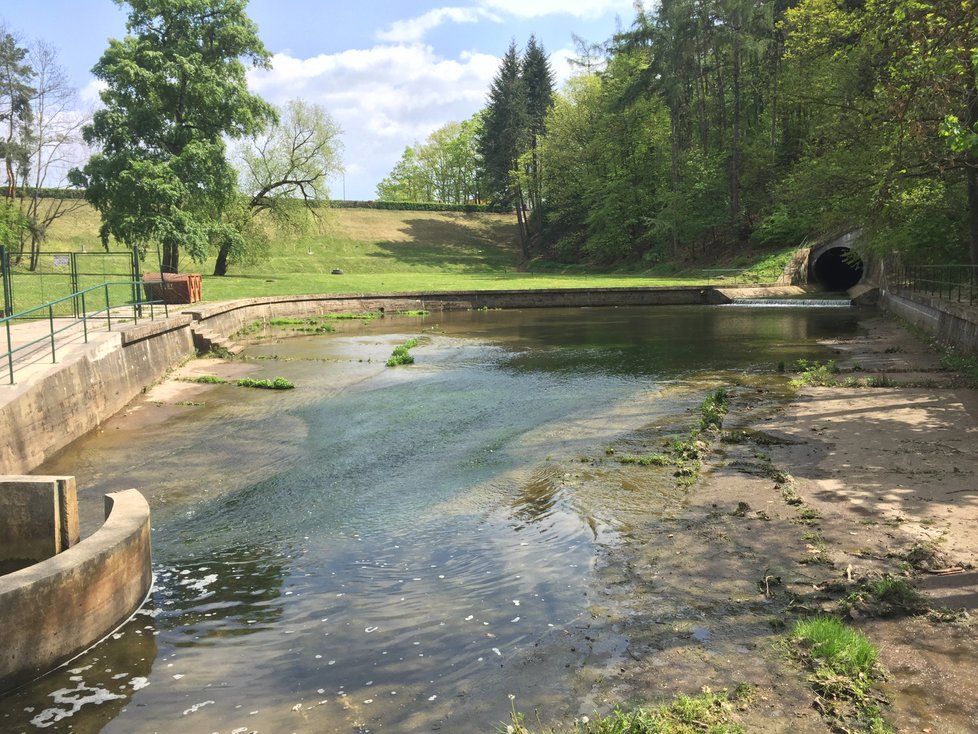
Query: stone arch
x=836 y=265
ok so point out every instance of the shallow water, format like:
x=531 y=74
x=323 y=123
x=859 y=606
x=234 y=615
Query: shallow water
x=390 y=548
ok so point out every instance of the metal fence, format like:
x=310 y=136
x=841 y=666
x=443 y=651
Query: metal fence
x=59 y=275
x=37 y=334
x=957 y=283
x=6 y=305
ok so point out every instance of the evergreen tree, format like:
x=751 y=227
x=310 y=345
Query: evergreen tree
x=504 y=130
x=16 y=111
x=538 y=81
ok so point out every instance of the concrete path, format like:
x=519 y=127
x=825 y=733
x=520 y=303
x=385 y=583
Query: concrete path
x=29 y=343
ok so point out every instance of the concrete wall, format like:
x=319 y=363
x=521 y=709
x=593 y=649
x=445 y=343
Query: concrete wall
x=949 y=322
x=38 y=519
x=227 y=318
x=42 y=416
x=60 y=607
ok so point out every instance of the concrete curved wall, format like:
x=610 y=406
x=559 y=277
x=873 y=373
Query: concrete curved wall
x=829 y=264
x=56 y=609
x=226 y=318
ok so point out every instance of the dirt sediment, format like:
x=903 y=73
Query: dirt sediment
x=802 y=500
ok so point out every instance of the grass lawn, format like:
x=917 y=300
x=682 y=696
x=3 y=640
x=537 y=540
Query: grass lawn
x=382 y=251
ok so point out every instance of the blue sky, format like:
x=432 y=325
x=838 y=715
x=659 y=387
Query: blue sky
x=388 y=72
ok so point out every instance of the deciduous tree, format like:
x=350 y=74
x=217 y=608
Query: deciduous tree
x=284 y=173
x=175 y=87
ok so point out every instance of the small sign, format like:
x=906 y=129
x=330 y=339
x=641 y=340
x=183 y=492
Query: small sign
x=62 y=261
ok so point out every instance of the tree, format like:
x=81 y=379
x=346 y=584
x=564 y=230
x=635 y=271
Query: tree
x=538 y=80
x=52 y=146
x=16 y=94
x=289 y=164
x=513 y=123
x=408 y=181
x=503 y=137
x=175 y=87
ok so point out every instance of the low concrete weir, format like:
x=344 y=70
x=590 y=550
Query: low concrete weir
x=56 y=609
x=231 y=316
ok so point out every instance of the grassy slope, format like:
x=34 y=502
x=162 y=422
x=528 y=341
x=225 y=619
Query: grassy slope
x=382 y=251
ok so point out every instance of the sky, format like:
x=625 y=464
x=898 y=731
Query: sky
x=388 y=71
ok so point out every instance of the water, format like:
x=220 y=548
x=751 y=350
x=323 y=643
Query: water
x=790 y=303
x=392 y=549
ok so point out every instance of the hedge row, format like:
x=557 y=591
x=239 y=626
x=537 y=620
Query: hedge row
x=419 y=206
x=51 y=193
x=410 y=206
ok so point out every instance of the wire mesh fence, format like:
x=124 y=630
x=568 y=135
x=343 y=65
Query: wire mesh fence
x=58 y=275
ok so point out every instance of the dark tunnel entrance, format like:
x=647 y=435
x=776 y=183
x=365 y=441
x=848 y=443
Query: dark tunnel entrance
x=837 y=269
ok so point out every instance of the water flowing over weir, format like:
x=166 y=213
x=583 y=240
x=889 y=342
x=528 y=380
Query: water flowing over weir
x=789 y=303
x=396 y=548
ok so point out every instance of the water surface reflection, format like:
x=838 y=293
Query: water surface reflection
x=391 y=548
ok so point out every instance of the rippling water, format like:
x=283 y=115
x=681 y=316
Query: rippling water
x=382 y=548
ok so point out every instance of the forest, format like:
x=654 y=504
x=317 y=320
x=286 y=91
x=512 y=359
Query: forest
x=709 y=125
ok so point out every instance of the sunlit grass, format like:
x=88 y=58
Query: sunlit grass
x=379 y=251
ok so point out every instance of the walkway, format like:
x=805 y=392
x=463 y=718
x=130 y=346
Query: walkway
x=32 y=363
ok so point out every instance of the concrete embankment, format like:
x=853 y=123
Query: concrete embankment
x=46 y=411
x=56 y=609
x=50 y=411
x=224 y=319
x=954 y=324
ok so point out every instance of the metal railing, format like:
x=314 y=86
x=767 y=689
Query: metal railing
x=957 y=283
x=736 y=276
x=23 y=343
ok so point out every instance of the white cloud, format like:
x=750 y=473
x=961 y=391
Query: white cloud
x=589 y=9
x=413 y=30
x=384 y=98
x=90 y=93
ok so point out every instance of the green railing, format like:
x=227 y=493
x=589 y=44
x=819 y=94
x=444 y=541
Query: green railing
x=127 y=308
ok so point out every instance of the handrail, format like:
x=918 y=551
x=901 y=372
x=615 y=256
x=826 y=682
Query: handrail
x=722 y=274
x=950 y=282
x=79 y=298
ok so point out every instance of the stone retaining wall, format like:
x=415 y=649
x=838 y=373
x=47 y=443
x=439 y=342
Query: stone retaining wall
x=42 y=416
x=56 y=609
x=950 y=323
x=232 y=316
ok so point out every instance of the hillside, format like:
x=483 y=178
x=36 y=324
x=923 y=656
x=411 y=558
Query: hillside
x=379 y=251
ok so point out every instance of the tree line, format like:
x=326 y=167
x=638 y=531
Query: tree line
x=185 y=157
x=708 y=125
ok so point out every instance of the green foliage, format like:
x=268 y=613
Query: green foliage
x=175 y=88
x=444 y=168
x=782 y=227
x=817 y=374
x=965 y=364
x=279 y=383
x=886 y=597
x=843 y=664
x=208 y=380
x=421 y=206
x=401 y=354
x=713 y=409
x=835 y=649
x=706 y=713
x=647 y=460
x=12 y=222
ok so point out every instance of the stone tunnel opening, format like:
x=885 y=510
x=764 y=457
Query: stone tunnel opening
x=837 y=269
